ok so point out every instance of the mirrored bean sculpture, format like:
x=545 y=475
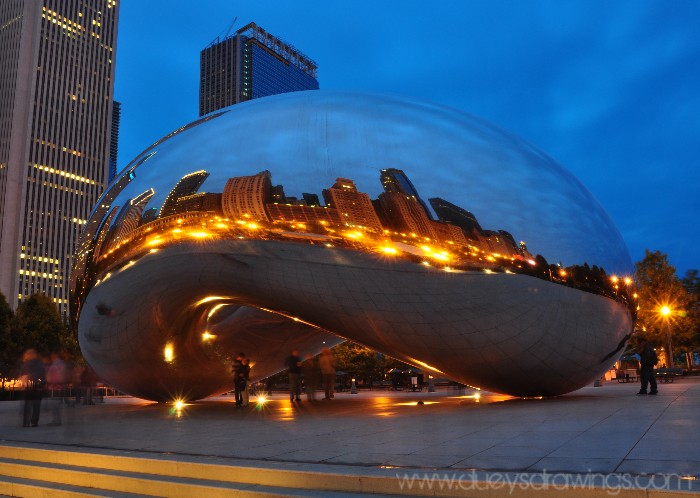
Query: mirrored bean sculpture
x=307 y=219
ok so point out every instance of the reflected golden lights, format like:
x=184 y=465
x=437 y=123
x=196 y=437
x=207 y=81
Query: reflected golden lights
x=168 y=353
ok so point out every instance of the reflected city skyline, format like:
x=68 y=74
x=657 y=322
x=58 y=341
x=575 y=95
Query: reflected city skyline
x=397 y=224
x=309 y=218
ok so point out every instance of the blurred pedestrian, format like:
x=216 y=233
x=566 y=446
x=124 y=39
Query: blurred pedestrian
x=57 y=380
x=88 y=381
x=311 y=377
x=327 y=363
x=293 y=364
x=33 y=377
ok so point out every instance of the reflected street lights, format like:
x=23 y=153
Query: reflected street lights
x=666 y=313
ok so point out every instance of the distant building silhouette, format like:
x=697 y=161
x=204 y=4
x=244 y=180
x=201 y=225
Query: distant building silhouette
x=355 y=208
x=311 y=199
x=128 y=219
x=403 y=213
x=202 y=201
x=304 y=214
x=188 y=185
x=114 y=142
x=246 y=196
x=250 y=64
x=395 y=180
x=451 y=213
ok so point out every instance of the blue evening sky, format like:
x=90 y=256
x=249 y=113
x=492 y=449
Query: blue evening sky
x=611 y=90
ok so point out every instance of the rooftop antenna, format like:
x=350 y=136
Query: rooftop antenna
x=219 y=38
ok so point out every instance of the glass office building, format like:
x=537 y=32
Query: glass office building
x=248 y=65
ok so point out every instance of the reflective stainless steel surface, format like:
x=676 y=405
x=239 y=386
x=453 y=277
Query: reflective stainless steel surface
x=301 y=219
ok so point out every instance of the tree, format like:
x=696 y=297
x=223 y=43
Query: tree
x=37 y=324
x=691 y=282
x=7 y=347
x=658 y=286
x=363 y=363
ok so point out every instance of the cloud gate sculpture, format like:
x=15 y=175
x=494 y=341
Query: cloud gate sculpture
x=305 y=219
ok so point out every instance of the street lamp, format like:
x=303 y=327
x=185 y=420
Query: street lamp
x=666 y=313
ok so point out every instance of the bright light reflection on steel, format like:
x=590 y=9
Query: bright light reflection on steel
x=168 y=353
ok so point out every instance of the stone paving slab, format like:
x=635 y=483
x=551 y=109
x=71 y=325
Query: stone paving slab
x=596 y=429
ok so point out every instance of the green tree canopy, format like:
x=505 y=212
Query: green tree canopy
x=364 y=363
x=38 y=325
x=658 y=286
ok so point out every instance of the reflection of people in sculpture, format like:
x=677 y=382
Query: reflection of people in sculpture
x=646 y=372
x=327 y=364
x=293 y=364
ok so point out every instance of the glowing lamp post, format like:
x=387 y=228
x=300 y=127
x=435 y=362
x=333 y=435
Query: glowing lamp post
x=666 y=313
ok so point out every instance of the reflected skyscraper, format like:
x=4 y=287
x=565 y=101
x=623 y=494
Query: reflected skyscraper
x=250 y=64
x=57 y=63
x=188 y=185
x=355 y=208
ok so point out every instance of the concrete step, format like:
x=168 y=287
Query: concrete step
x=289 y=480
x=34 y=472
x=30 y=488
x=28 y=469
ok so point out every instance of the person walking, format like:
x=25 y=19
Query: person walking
x=33 y=377
x=327 y=364
x=293 y=364
x=648 y=360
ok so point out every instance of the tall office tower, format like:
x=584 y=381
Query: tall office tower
x=355 y=208
x=114 y=141
x=186 y=186
x=395 y=180
x=245 y=197
x=250 y=64
x=56 y=90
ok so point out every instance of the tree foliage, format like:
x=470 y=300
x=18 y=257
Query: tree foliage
x=659 y=286
x=37 y=324
x=362 y=363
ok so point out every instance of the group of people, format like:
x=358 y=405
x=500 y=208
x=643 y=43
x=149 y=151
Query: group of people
x=54 y=376
x=315 y=375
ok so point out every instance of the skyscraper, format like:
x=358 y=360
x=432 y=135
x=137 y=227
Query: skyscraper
x=56 y=90
x=249 y=64
x=114 y=140
x=355 y=208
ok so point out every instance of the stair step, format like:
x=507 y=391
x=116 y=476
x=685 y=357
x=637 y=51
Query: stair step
x=31 y=488
x=274 y=474
x=136 y=483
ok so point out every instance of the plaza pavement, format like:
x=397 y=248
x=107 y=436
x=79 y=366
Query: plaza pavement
x=601 y=431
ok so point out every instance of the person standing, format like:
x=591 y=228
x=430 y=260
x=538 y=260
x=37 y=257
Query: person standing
x=33 y=376
x=293 y=364
x=311 y=377
x=237 y=373
x=648 y=360
x=327 y=364
x=243 y=379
